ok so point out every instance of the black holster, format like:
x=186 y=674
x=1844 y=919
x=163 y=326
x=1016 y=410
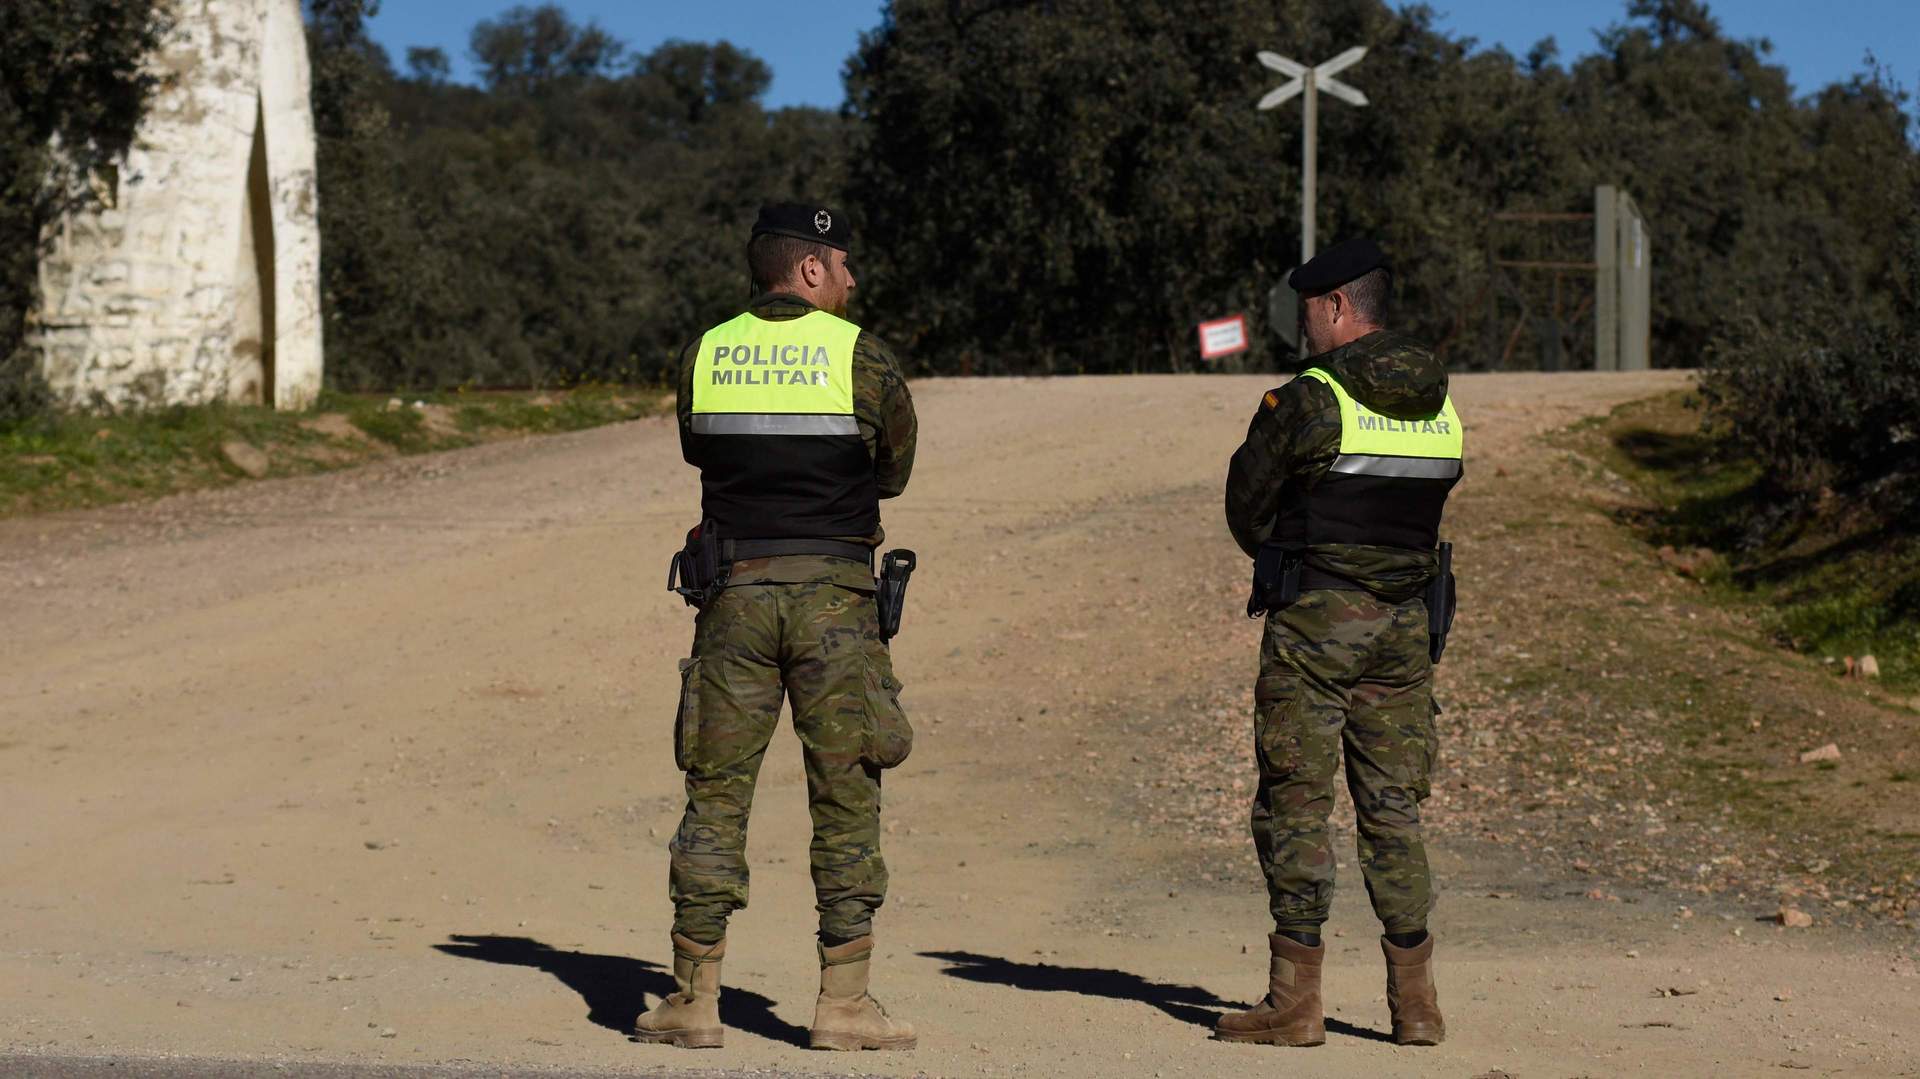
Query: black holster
x=1440 y=597
x=1276 y=578
x=697 y=572
x=890 y=589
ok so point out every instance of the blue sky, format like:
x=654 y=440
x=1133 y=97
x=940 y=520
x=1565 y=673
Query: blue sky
x=805 y=43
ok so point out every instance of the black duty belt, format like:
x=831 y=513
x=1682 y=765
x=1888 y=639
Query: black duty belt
x=734 y=550
x=1281 y=573
x=699 y=571
x=1311 y=578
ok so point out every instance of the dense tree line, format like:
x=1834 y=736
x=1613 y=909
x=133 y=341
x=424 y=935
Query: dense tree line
x=1066 y=186
x=70 y=74
x=1060 y=186
x=575 y=217
x=1071 y=185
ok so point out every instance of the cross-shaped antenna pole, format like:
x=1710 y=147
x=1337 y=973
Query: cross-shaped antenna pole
x=1312 y=82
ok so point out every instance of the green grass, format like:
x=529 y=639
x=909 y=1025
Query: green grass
x=71 y=460
x=1840 y=581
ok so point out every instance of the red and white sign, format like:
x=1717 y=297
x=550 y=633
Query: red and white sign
x=1223 y=337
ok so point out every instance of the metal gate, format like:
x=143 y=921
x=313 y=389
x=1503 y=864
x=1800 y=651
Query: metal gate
x=1566 y=291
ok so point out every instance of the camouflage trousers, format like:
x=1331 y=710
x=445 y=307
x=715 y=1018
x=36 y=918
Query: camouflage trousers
x=819 y=646
x=1344 y=669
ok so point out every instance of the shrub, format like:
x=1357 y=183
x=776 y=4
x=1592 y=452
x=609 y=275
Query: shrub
x=1828 y=396
x=23 y=393
x=1835 y=414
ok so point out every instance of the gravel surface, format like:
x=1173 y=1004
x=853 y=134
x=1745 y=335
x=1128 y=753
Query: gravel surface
x=373 y=769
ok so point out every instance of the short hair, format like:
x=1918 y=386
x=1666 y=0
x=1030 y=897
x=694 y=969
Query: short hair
x=772 y=259
x=1370 y=294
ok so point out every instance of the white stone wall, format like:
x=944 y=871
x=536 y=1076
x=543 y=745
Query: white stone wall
x=200 y=281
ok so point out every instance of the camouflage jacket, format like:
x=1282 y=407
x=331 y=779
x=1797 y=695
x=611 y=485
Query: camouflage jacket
x=884 y=411
x=1295 y=435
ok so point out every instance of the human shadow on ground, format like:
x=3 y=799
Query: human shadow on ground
x=1187 y=1003
x=615 y=987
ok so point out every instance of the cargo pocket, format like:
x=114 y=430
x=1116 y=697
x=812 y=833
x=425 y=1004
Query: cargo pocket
x=686 y=720
x=1430 y=754
x=889 y=737
x=1276 y=730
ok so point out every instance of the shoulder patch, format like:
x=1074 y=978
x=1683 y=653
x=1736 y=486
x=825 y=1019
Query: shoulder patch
x=1271 y=401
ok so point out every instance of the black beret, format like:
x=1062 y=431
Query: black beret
x=1338 y=265
x=804 y=221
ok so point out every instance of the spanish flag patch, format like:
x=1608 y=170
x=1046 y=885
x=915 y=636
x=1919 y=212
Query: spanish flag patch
x=1271 y=400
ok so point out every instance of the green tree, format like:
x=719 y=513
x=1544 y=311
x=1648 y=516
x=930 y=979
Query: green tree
x=429 y=65
x=1066 y=186
x=390 y=295
x=1826 y=399
x=1095 y=175
x=71 y=77
x=530 y=48
x=578 y=216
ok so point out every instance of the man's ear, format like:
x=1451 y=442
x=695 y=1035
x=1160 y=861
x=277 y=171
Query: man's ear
x=812 y=271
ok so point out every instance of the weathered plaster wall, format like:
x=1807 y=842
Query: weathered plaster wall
x=200 y=280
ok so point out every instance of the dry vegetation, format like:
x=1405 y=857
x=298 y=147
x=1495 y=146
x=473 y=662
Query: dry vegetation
x=1605 y=712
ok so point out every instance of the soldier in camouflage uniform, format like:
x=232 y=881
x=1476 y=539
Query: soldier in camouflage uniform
x=1346 y=665
x=799 y=422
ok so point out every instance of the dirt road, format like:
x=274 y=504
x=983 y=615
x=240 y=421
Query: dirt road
x=376 y=768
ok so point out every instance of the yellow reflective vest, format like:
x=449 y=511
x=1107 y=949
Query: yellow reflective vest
x=1387 y=487
x=1376 y=445
x=773 y=430
x=786 y=377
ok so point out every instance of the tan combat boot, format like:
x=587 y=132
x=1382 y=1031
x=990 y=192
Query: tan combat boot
x=689 y=1018
x=845 y=1017
x=1290 y=1015
x=1411 y=995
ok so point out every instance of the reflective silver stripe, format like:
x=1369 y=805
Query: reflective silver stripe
x=1416 y=468
x=772 y=423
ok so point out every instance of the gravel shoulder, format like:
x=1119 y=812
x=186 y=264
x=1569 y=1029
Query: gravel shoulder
x=372 y=769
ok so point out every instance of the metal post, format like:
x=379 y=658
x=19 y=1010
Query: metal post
x=1635 y=286
x=1310 y=168
x=1606 y=278
x=1309 y=81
